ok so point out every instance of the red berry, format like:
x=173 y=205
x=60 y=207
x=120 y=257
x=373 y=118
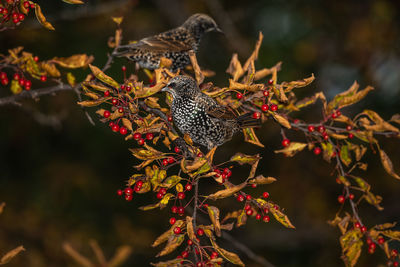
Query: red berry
x=181 y=210
x=140 y=141
x=264 y=107
x=317 y=150
x=239 y=96
x=266 y=218
x=200 y=232
x=26 y=4
x=106 y=114
x=172 y=221
x=115 y=128
x=139 y=183
x=273 y=107
x=174 y=209
x=149 y=136
x=285 y=142
x=111 y=124
x=185 y=254
x=119 y=192
x=165 y=162
x=270 y=81
x=351 y=135
x=254 y=185
x=21 y=17
x=395 y=264
x=266 y=93
x=334 y=116
x=325 y=136
x=265 y=195
x=170 y=118
x=162 y=190
x=122 y=87
x=199 y=264
x=200 y=155
x=128 y=197
x=338 y=113
x=177 y=230
x=28 y=83
x=240 y=198
x=190 y=242
x=21 y=82
x=107 y=93
x=363 y=229
x=14 y=15
x=348 y=128
x=248 y=197
x=137 y=136
x=369 y=241
x=33 y=5
x=123 y=131
x=247 y=207
x=120 y=110
x=214 y=255
x=311 y=128
x=266 y=210
x=249 y=212
x=258 y=216
x=16 y=76
x=321 y=129
x=177 y=149
x=114 y=101
x=181 y=195
x=16 y=20
x=36 y=58
x=295 y=121
x=159 y=195
x=128 y=191
x=372 y=245
x=381 y=240
x=394 y=253
x=43 y=78
x=5 y=12
x=357 y=225
x=4 y=81
x=123 y=68
x=128 y=88
x=171 y=160
x=188 y=187
x=341 y=199
x=256 y=115
x=351 y=196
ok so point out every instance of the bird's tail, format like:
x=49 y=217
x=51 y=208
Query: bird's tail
x=248 y=121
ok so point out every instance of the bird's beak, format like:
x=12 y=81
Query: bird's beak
x=218 y=30
x=166 y=89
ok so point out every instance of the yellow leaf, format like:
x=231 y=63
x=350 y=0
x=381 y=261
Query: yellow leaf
x=148 y=91
x=235 y=68
x=327 y=149
x=127 y=123
x=71 y=79
x=241 y=86
x=173 y=243
x=245 y=159
x=385 y=226
x=73 y=2
x=260 y=179
x=91 y=103
x=50 y=69
x=345 y=155
x=351 y=247
x=189 y=228
x=387 y=164
x=15 y=87
x=392 y=234
x=189 y=166
x=42 y=19
x=74 y=62
x=164 y=201
x=250 y=137
x=280 y=217
x=170 y=263
x=149 y=207
x=292 y=149
x=227 y=192
x=297 y=84
x=11 y=254
x=281 y=120
x=103 y=77
x=145 y=154
x=229 y=256
x=213 y=212
x=380 y=124
x=179 y=187
x=118 y=20
x=164 y=237
x=171 y=181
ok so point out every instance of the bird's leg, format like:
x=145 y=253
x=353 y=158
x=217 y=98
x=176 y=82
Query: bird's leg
x=180 y=142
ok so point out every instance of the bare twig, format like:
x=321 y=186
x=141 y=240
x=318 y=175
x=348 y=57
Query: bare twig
x=80 y=259
x=98 y=252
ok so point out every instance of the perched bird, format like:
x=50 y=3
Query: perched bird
x=201 y=117
x=174 y=44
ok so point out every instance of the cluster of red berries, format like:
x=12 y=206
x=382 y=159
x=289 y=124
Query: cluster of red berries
x=3 y=78
x=224 y=174
x=167 y=161
x=27 y=84
x=15 y=15
x=161 y=193
x=129 y=191
x=179 y=210
x=341 y=199
x=249 y=210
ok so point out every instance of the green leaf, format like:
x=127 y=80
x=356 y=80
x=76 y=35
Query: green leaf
x=351 y=246
x=280 y=217
x=245 y=159
x=345 y=155
x=15 y=87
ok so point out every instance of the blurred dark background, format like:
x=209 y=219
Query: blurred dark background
x=60 y=183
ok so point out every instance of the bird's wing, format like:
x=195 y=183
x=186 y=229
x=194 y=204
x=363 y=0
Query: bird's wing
x=215 y=110
x=176 y=40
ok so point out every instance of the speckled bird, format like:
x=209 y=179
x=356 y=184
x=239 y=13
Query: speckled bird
x=174 y=44
x=201 y=117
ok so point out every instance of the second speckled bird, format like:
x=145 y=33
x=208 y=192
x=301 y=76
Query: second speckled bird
x=174 y=44
x=194 y=113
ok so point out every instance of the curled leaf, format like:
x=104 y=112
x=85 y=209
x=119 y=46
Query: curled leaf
x=351 y=246
x=292 y=149
x=74 y=62
x=103 y=77
x=227 y=192
x=245 y=159
x=213 y=212
x=42 y=19
x=387 y=164
x=11 y=254
x=260 y=179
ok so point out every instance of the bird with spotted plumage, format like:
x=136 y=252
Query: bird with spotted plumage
x=174 y=44
x=201 y=117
